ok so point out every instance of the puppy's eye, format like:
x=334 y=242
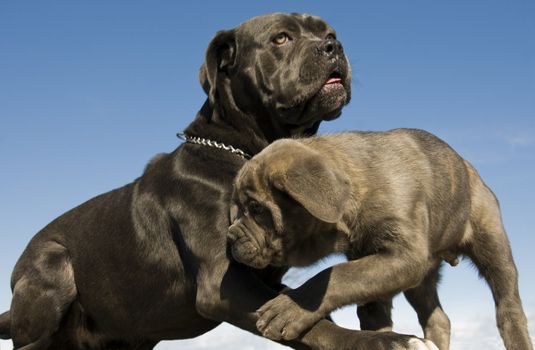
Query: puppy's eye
x=330 y=36
x=280 y=39
x=255 y=208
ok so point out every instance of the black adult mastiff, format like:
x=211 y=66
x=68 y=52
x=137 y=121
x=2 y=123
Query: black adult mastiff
x=149 y=261
x=396 y=203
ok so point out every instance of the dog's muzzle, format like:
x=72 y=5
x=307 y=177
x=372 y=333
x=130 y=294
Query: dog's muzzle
x=245 y=249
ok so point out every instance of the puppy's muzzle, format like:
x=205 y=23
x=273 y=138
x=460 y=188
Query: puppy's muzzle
x=245 y=249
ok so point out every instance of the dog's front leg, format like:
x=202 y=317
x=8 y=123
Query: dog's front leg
x=360 y=281
x=231 y=292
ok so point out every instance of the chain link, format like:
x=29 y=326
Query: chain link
x=215 y=144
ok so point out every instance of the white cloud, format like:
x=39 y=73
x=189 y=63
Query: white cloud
x=518 y=140
x=224 y=337
x=6 y=345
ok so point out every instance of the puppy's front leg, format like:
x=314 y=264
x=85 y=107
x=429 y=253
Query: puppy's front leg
x=230 y=292
x=360 y=281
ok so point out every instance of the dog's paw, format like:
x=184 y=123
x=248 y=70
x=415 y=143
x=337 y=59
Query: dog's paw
x=417 y=344
x=282 y=318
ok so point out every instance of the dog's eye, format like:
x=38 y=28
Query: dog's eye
x=330 y=36
x=281 y=39
x=255 y=208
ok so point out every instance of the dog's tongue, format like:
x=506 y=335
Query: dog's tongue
x=333 y=80
x=332 y=84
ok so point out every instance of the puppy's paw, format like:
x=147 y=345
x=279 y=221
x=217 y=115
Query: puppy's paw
x=282 y=318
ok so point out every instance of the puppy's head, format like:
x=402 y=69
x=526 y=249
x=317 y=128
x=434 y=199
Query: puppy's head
x=287 y=208
x=287 y=70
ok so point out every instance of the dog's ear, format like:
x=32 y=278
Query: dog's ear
x=221 y=54
x=324 y=192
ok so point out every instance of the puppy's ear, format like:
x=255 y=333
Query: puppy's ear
x=324 y=192
x=220 y=54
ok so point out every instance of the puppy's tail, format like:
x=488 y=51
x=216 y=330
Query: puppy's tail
x=5 y=325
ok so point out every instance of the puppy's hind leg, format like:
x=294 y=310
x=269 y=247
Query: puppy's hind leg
x=376 y=316
x=43 y=290
x=424 y=300
x=488 y=248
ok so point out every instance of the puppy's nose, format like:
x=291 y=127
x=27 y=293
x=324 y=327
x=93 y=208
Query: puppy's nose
x=331 y=47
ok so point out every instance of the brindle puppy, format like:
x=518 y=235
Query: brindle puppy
x=396 y=203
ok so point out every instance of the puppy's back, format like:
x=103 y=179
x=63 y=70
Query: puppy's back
x=401 y=167
x=413 y=151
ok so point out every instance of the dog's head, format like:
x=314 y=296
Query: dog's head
x=287 y=208
x=287 y=70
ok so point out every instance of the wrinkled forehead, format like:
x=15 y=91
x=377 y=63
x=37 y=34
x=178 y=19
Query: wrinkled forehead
x=273 y=22
x=251 y=182
x=247 y=181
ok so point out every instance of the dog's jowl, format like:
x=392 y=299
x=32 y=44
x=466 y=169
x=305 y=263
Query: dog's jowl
x=396 y=203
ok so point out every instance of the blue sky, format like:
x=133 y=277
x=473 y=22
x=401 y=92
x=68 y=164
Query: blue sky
x=90 y=90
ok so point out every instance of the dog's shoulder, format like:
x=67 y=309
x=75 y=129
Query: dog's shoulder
x=157 y=174
x=154 y=161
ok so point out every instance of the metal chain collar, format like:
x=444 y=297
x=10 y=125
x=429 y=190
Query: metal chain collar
x=215 y=144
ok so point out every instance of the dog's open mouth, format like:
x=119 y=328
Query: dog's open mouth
x=334 y=81
x=334 y=78
x=315 y=105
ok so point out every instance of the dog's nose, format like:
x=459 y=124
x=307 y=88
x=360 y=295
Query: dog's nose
x=331 y=47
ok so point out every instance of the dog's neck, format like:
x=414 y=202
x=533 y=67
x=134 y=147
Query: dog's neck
x=228 y=127
x=229 y=124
